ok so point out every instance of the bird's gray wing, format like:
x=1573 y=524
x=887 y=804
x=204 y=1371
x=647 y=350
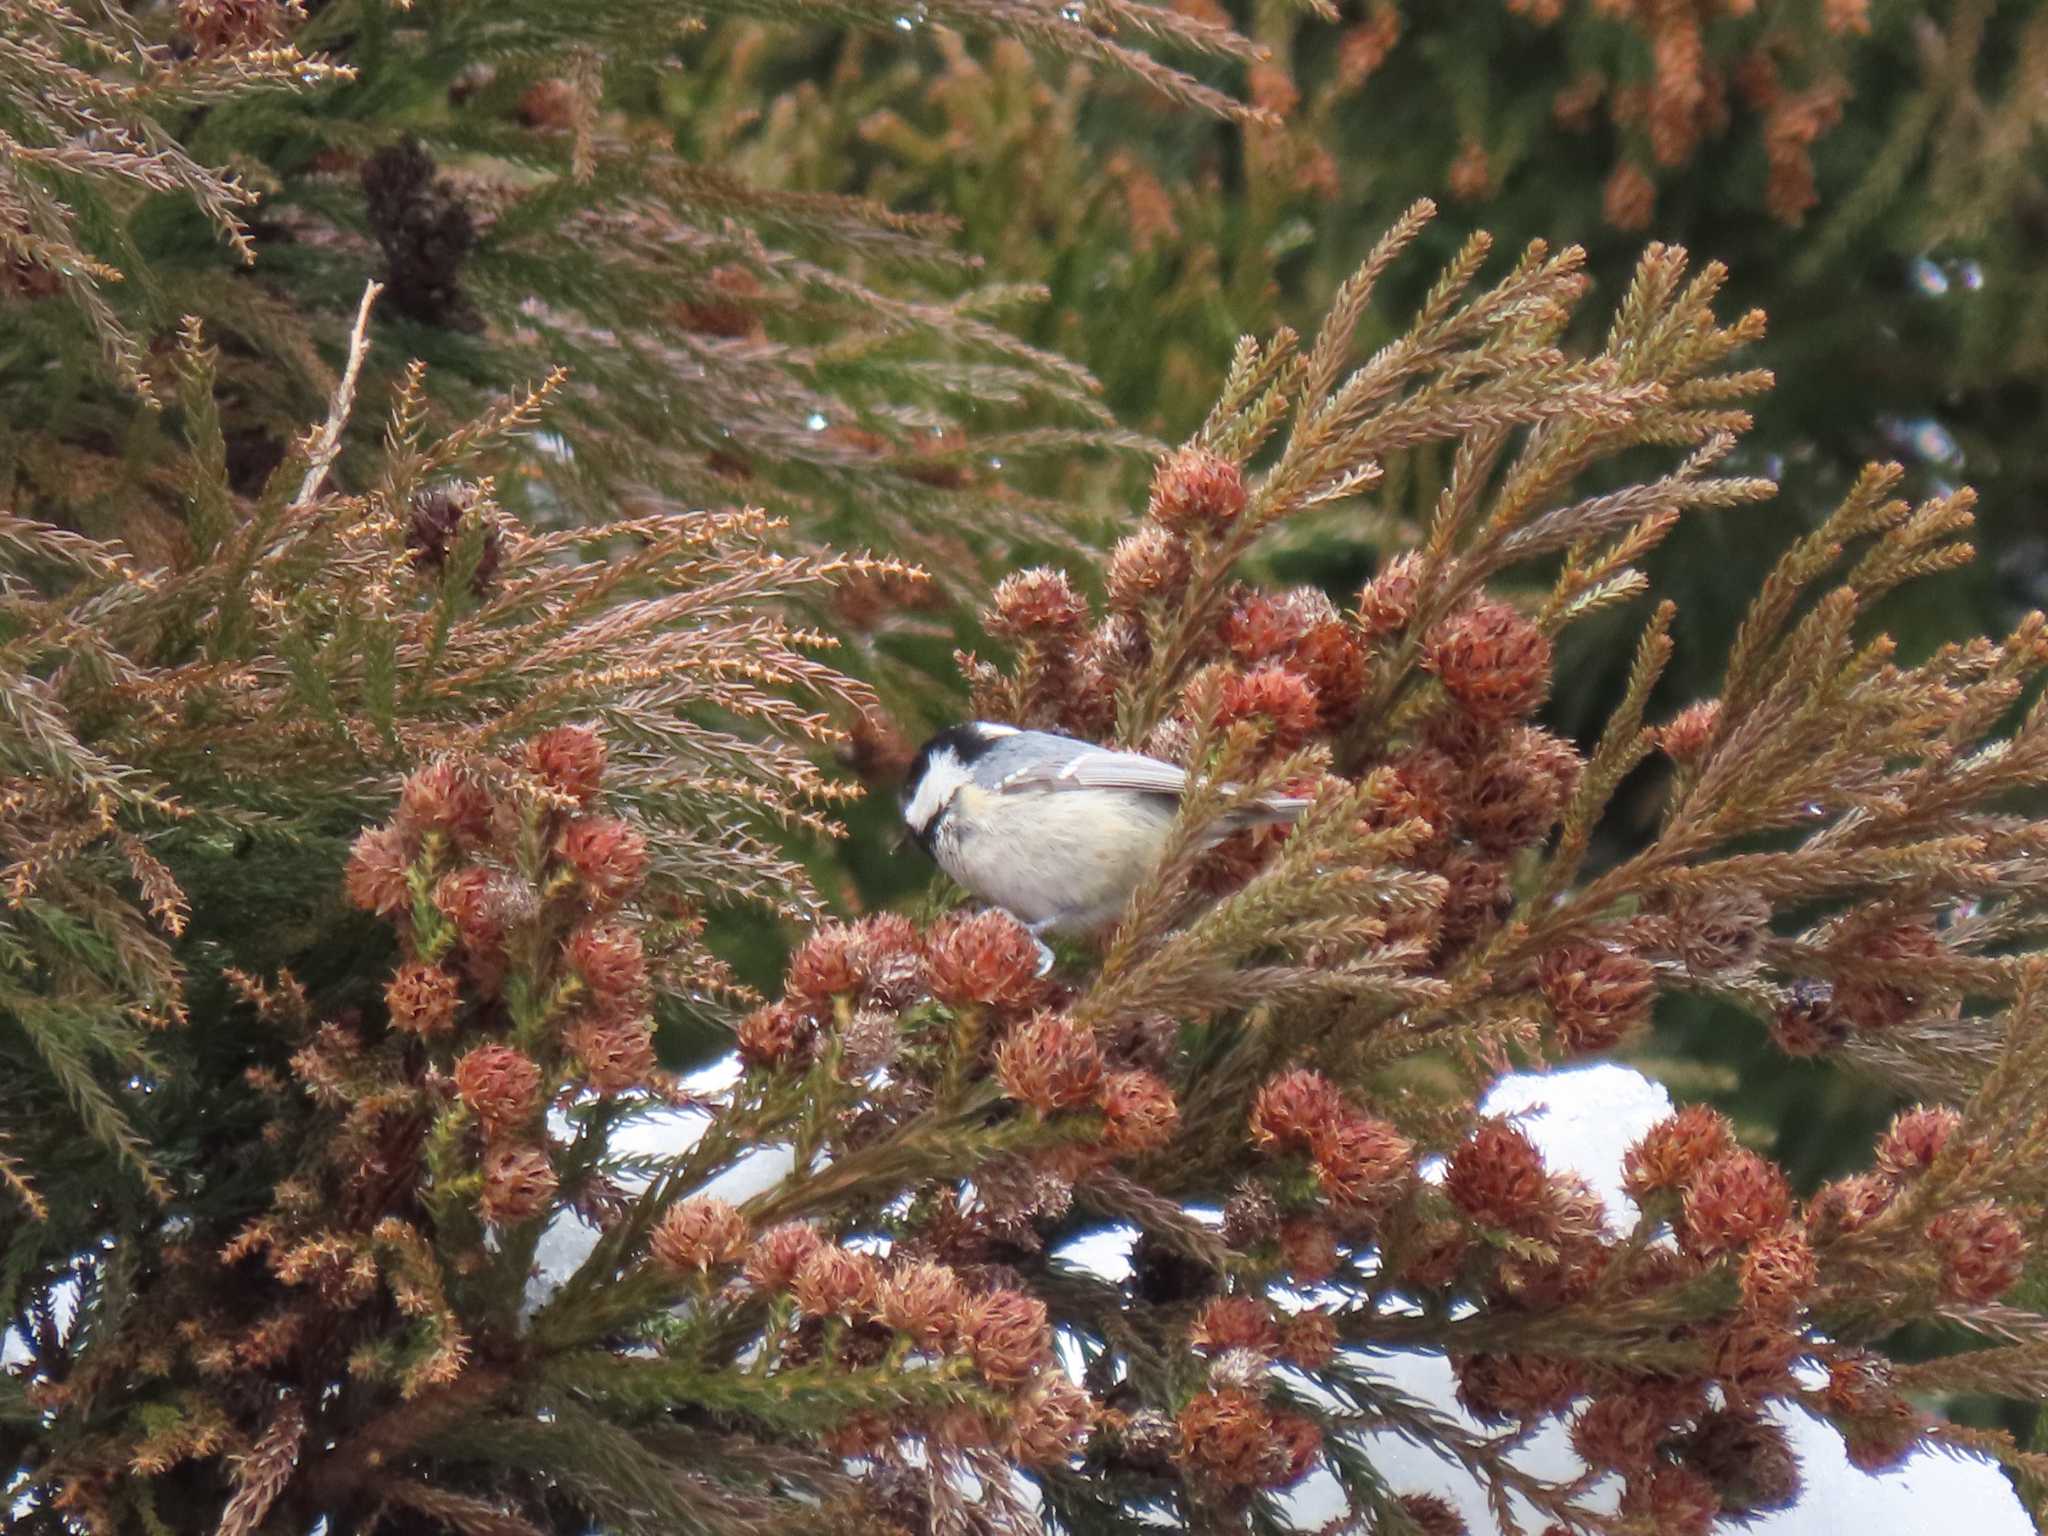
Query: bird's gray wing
x=1099 y=769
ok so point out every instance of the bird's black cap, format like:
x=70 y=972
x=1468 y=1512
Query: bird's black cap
x=967 y=742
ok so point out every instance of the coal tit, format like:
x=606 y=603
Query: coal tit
x=1056 y=831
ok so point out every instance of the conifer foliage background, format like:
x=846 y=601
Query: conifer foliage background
x=439 y=448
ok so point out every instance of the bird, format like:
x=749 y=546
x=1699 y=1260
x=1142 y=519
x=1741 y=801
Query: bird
x=1056 y=831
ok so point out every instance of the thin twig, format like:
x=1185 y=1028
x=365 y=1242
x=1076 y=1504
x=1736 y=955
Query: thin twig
x=326 y=444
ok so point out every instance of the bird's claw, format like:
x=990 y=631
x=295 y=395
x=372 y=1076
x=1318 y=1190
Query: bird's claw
x=1045 y=955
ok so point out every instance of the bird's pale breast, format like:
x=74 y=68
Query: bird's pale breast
x=1067 y=860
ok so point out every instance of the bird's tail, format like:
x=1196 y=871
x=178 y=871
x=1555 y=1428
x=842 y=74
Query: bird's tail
x=1268 y=811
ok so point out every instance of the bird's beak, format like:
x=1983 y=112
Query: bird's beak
x=902 y=838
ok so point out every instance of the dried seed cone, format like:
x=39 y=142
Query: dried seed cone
x=1284 y=702
x=868 y=1434
x=1007 y=1335
x=1337 y=665
x=1436 y=1255
x=1117 y=650
x=925 y=1301
x=776 y=1035
x=1050 y=1420
x=1360 y=1160
x=1266 y=626
x=1674 y=1149
x=778 y=1253
x=1808 y=1023
x=1297 y=1441
x=695 y=1235
x=1496 y=1177
x=519 y=1183
x=1492 y=661
x=616 y=1052
x=570 y=760
x=1235 y=860
x=1147 y=1040
x=1673 y=1500
x=1422 y=785
x=1243 y=1369
x=892 y=956
x=1916 y=1138
x=1879 y=1427
x=876 y=749
x=1235 y=1322
x=1227 y=1437
x=829 y=964
x=1308 y=1249
x=375 y=879
x=1501 y=1388
x=1719 y=930
x=612 y=962
x=1982 y=1251
x=1050 y=1063
x=1753 y=1360
x=1432 y=1516
x=988 y=958
x=442 y=797
x=1470 y=177
x=1732 y=1200
x=435 y=517
x=1138 y=1112
x=423 y=999
x=608 y=856
x=1749 y=1461
x=1150 y=566
x=1478 y=900
x=476 y=902
x=1630 y=197
x=1851 y=1204
x=1619 y=1431
x=1196 y=489
x=500 y=1085
x=1038 y=604
x=219 y=27
x=868 y=1042
x=1149 y=1438
x=1387 y=602
x=1514 y=795
x=1291 y=1108
x=725 y=307
x=836 y=1282
x=1250 y=1217
x=1691 y=731
x=1873 y=1001
x=1779 y=1274
x=1598 y=994
x=1309 y=1339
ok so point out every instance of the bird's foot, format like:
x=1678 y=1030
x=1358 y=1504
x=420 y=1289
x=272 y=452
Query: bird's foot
x=1045 y=955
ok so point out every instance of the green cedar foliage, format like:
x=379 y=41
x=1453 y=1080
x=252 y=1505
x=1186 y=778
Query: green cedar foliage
x=251 y=163
x=1870 y=172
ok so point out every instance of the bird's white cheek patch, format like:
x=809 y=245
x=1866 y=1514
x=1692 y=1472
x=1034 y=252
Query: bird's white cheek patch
x=942 y=780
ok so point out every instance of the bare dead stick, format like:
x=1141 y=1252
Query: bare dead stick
x=326 y=444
